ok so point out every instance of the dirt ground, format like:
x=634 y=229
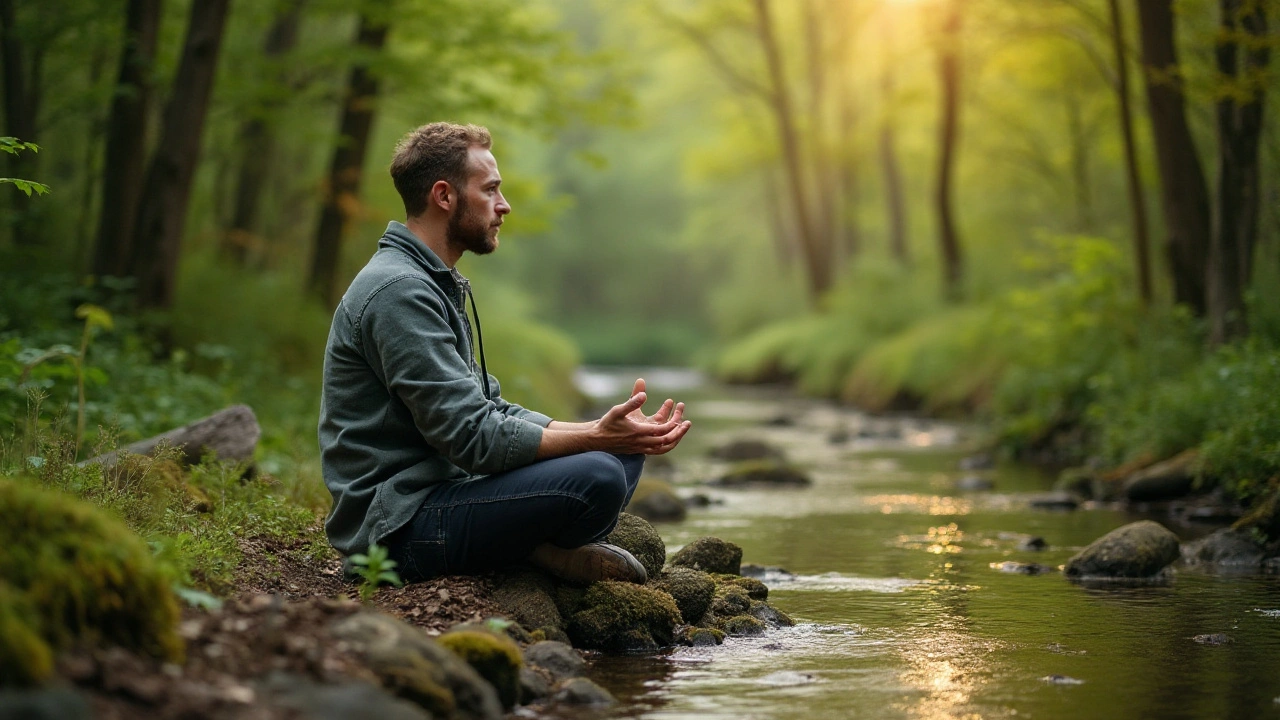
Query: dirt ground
x=275 y=629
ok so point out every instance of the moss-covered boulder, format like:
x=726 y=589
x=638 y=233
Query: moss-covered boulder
x=755 y=589
x=770 y=615
x=622 y=617
x=1226 y=548
x=1169 y=480
x=496 y=657
x=692 y=590
x=1137 y=550
x=417 y=668
x=84 y=576
x=637 y=536
x=762 y=473
x=741 y=626
x=710 y=554
x=528 y=596
x=699 y=636
x=656 y=501
x=25 y=657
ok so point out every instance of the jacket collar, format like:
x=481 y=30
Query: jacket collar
x=402 y=238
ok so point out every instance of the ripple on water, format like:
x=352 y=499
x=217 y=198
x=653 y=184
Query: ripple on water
x=836 y=582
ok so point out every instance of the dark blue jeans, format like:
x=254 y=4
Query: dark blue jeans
x=497 y=520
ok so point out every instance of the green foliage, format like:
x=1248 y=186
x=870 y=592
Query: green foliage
x=375 y=568
x=14 y=146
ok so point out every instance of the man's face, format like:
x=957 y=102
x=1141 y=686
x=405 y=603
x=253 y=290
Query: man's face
x=474 y=222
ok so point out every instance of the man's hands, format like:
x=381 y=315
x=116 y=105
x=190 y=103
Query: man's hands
x=624 y=430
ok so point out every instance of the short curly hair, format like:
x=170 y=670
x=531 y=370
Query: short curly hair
x=433 y=152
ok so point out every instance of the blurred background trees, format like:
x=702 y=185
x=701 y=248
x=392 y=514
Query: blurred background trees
x=1014 y=208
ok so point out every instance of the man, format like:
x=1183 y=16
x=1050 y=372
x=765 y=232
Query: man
x=418 y=448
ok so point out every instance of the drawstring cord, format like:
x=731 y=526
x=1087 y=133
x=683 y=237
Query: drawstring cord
x=484 y=367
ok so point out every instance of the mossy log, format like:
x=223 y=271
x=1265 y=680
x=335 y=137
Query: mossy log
x=229 y=434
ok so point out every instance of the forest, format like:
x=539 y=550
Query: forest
x=1057 y=221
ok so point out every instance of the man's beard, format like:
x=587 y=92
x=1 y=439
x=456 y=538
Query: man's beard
x=469 y=232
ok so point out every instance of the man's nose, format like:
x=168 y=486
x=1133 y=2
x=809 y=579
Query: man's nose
x=503 y=207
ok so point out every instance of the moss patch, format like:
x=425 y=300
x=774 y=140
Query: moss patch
x=755 y=589
x=528 y=596
x=495 y=657
x=25 y=658
x=85 y=575
x=710 y=554
x=741 y=625
x=692 y=590
x=621 y=617
x=637 y=536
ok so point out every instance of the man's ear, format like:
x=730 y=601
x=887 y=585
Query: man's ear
x=441 y=195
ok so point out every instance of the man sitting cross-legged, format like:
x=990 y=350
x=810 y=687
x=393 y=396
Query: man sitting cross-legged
x=418 y=448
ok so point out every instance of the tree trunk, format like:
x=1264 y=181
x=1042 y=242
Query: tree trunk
x=1239 y=116
x=825 y=182
x=343 y=190
x=814 y=246
x=162 y=214
x=890 y=168
x=1137 y=201
x=1184 y=193
x=258 y=140
x=21 y=104
x=948 y=237
x=1081 y=186
x=126 y=145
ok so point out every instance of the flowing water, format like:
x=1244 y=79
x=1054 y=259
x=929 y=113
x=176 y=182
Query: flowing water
x=900 y=606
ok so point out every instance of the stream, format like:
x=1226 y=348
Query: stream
x=894 y=583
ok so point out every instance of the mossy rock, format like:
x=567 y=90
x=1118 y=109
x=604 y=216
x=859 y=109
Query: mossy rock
x=529 y=597
x=770 y=615
x=1137 y=550
x=699 y=636
x=417 y=668
x=741 y=626
x=755 y=589
x=25 y=657
x=496 y=657
x=692 y=590
x=730 y=601
x=86 y=576
x=637 y=536
x=762 y=473
x=622 y=617
x=656 y=501
x=710 y=554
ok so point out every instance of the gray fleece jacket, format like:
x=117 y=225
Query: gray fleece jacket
x=404 y=407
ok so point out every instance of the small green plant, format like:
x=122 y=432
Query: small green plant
x=93 y=317
x=375 y=568
x=14 y=146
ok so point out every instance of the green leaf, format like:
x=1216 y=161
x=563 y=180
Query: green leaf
x=95 y=316
x=197 y=598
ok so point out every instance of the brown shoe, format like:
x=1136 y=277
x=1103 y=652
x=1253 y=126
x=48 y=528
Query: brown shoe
x=589 y=563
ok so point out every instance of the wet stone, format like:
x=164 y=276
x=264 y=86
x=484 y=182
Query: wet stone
x=1214 y=639
x=710 y=554
x=581 y=691
x=1019 y=568
x=746 y=449
x=558 y=659
x=1137 y=550
x=1032 y=543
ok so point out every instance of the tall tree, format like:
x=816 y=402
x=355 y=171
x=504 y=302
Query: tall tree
x=126 y=143
x=342 y=190
x=890 y=169
x=258 y=136
x=814 y=246
x=1137 y=201
x=948 y=137
x=1184 y=192
x=157 y=236
x=1242 y=55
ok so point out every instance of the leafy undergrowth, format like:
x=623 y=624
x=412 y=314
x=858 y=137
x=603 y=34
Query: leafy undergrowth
x=1068 y=367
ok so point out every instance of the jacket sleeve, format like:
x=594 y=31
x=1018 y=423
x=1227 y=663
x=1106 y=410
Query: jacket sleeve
x=406 y=336
x=514 y=410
